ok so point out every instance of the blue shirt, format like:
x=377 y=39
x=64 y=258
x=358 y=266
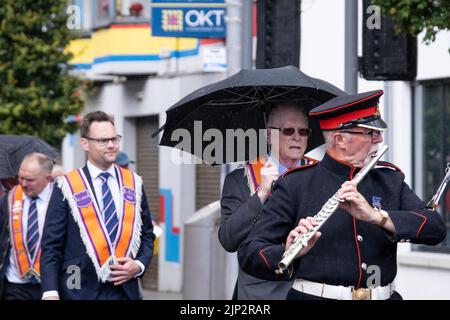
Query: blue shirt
x=281 y=168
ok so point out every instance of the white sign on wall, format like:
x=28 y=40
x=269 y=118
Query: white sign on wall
x=214 y=59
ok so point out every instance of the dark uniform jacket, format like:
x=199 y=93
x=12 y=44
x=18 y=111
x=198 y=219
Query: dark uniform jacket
x=240 y=212
x=347 y=247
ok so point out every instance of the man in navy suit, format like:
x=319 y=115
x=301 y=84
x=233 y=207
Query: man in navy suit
x=22 y=215
x=98 y=235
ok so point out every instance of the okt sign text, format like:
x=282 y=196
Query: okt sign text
x=197 y=19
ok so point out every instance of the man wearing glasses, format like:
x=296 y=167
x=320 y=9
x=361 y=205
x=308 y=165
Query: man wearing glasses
x=246 y=190
x=98 y=235
x=354 y=254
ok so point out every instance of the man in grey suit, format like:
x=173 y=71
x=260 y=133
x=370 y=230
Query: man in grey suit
x=246 y=190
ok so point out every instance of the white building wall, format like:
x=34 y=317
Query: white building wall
x=422 y=275
x=434 y=60
x=322 y=45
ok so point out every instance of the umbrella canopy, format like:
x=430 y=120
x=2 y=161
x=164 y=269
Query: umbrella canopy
x=14 y=148
x=243 y=101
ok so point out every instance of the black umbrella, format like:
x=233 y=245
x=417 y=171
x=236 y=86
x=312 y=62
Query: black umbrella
x=243 y=101
x=14 y=148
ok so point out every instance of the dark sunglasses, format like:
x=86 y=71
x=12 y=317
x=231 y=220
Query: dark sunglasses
x=304 y=132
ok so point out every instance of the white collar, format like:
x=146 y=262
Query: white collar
x=94 y=171
x=45 y=193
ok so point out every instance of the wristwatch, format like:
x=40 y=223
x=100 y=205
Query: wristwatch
x=384 y=216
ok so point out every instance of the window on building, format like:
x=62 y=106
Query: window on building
x=107 y=11
x=103 y=12
x=432 y=147
x=133 y=10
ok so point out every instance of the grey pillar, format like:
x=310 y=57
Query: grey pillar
x=351 y=46
x=247 y=34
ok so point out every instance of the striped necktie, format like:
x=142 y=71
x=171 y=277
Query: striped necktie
x=109 y=208
x=33 y=228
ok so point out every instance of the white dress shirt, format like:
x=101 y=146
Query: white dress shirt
x=12 y=273
x=113 y=185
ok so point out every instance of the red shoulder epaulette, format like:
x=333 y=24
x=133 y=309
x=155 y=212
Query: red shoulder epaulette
x=388 y=165
x=312 y=163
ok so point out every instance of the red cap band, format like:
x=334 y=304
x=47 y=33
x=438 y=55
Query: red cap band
x=334 y=123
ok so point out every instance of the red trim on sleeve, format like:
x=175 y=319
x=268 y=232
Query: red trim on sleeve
x=423 y=223
x=264 y=258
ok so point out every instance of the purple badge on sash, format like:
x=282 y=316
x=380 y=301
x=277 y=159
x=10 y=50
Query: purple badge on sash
x=83 y=199
x=129 y=195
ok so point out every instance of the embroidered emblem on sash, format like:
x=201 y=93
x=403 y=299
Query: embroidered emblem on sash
x=129 y=195
x=82 y=199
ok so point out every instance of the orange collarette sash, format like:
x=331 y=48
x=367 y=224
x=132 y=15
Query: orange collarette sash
x=26 y=265
x=89 y=218
x=253 y=171
x=253 y=174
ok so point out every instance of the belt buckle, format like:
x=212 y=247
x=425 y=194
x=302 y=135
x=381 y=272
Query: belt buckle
x=362 y=294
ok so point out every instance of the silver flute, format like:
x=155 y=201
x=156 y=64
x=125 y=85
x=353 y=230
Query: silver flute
x=432 y=204
x=327 y=210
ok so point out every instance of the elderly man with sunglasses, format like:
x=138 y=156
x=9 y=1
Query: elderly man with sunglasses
x=98 y=234
x=246 y=190
x=353 y=256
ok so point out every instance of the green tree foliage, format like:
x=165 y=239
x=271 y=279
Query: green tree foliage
x=36 y=91
x=415 y=16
